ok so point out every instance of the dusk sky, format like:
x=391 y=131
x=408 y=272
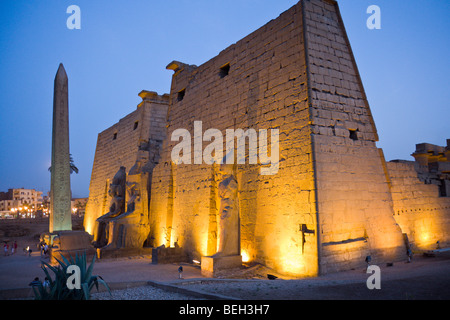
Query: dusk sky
x=123 y=47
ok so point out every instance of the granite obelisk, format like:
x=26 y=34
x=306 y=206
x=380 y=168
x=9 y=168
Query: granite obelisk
x=60 y=192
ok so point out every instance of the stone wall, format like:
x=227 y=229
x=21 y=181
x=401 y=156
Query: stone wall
x=333 y=200
x=298 y=74
x=354 y=203
x=265 y=88
x=419 y=210
x=118 y=146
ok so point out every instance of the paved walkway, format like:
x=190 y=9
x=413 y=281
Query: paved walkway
x=18 y=270
x=430 y=274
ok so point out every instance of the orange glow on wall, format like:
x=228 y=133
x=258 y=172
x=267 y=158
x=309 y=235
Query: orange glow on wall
x=88 y=226
x=291 y=260
x=203 y=243
x=245 y=256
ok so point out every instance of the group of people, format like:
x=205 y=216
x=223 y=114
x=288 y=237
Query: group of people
x=44 y=248
x=7 y=248
x=36 y=283
x=10 y=249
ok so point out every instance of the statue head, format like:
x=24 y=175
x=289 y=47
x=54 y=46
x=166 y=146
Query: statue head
x=117 y=186
x=224 y=170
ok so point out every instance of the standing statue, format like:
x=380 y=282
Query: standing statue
x=228 y=228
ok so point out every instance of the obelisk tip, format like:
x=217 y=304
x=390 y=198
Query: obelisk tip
x=61 y=73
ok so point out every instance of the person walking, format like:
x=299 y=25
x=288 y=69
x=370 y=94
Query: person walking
x=13 y=248
x=41 y=247
x=409 y=254
x=45 y=250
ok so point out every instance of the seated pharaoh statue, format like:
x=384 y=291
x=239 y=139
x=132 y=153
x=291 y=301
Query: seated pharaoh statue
x=117 y=193
x=126 y=223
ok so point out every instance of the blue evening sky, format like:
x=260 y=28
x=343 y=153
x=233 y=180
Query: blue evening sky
x=123 y=47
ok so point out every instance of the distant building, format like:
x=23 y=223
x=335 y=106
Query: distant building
x=26 y=199
x=79 y=206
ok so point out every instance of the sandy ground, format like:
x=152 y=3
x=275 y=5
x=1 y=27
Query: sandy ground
x=423 y=279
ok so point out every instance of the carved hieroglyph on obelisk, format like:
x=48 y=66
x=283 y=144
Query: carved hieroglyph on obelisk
x=60 y=193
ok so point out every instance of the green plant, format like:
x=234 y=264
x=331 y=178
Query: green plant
x=57 y=288
x=73 y=167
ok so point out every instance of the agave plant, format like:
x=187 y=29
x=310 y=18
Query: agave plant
x=58 y=289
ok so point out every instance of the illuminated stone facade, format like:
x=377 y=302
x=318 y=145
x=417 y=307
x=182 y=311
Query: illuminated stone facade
x=119 y=146
x=421 y=193
x=332 y=201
